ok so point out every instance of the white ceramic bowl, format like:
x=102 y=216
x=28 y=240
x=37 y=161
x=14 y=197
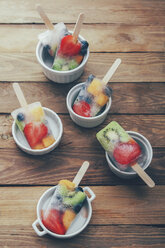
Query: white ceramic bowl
x=143 y=161
x=79 y=223
x=59 y=76
x=88 y=122
x=55 y=126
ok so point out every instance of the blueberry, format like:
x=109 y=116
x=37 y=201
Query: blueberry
x=108 y=91
x=90 y=78
x=77 y=208
x=88 y=100
x=66 y=33
x=79 y=189
x=58 y=197
x=84 y=46
x=47 y=47
x=20 y=117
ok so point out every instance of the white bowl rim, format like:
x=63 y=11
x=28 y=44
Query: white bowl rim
x=107 y=107
x=126 y=172
x=38 y=151
x=62 y=72
x=59 y=235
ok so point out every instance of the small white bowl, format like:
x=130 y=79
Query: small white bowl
x=56 y=127
x=144 y=160
x=79 y=223
x=60 y=76
x=87 y=122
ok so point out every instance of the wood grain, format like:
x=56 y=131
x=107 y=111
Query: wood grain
x=108 y=11
x=135 y=67
x=126 y=213
x=93 y=236
x=86 y=137
x=130 y=98
x=124 y=205
x=20 y=168
x=111 y=38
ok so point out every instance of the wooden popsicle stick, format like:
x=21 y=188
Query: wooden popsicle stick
x=144 y=176
x=111 y=71
x=44 y=17
x=78 y=25
x=81 y=173
x=20 y=95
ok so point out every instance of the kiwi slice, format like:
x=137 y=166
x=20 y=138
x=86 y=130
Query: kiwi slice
x=62 y=190
x=112 y=134
x=78 y=198
x=20 y=125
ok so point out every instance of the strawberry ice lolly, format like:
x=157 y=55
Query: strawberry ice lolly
x=122 y=149
x=94 y=94
x=70 y=51
x=65 y=204
x=52 y=37
x=31 y=121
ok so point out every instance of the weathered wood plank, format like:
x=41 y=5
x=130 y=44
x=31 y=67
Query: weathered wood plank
x=92 y=236
x=101 y=38
x=108 y=11
x=20 y=168
x=135 y=67
x=137 y=123
x=130 y=98
x=124 y=205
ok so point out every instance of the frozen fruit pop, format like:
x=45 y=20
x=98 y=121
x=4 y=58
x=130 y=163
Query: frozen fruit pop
x=65 y=204
x=31 y=121
x=94 y=94
x=122 y=149
x=70 y=51
x=52 y=37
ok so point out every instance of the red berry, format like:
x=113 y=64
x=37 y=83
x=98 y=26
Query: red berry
x=53 y=221
x=82 y=108
x=69 y=46
x=34 y=133
x=126 y=153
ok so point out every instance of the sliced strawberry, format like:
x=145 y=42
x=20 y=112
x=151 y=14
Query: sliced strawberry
x=53 y=221
x=34 y=133
x=82 y=108
x=126 y=153
x=69 y=46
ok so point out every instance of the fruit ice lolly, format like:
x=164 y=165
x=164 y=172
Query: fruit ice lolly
x=71 y=51
x=52 y=37
x=31 y=121
x=65 y=203
x=122 y=149
x=91 y=98
x=94 y=94
x=119 y=144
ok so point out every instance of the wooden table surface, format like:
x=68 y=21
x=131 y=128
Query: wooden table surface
x=126 y=213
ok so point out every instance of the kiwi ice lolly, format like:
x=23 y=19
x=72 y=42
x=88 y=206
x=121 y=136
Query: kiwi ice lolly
x=121 y=147
x=65 y=203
